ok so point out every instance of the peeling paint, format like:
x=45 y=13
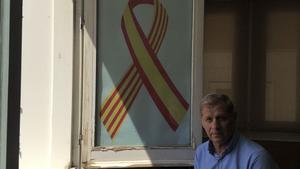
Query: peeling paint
x=123 y=148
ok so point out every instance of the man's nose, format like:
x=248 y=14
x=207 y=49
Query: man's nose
x=215 y=124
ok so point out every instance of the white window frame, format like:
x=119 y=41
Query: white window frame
x=84 y=154
x=4 y=74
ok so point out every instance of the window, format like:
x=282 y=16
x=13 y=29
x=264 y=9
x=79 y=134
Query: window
x=251 y=53
x=141 y=71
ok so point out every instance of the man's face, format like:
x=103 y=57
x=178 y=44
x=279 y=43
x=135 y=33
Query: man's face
x=218 y=124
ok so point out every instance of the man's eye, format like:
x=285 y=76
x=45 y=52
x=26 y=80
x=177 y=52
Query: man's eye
x=208 y=120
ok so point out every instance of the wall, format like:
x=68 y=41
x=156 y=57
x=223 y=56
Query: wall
x=286 y=154
x=46 y=84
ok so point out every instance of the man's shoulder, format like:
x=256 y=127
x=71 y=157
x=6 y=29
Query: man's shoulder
x=255 y=153
x=202 y=147
x=250 y=146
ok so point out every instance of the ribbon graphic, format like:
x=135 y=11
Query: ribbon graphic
x=146 y=70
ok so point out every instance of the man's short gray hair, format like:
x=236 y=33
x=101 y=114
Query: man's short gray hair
x=219 y=101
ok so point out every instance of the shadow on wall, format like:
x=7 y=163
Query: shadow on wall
x=286 y=154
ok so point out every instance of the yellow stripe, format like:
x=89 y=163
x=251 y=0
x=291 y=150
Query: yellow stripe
x=160 y=86
x=117 y=96
x=121 y=102
x=105 y=114
x=125 y=107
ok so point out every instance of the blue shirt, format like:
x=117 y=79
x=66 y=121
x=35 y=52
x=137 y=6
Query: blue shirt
x=241 y=153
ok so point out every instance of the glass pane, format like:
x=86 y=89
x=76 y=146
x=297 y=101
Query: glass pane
x=226 y=50
x=254 y=58
x=144 y=73
x=282 y=39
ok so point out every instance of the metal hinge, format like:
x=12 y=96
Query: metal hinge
x=80 y=139
x=194 y=142
x=82 y=22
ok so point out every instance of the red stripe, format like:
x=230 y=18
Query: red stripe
x=169 y=118
x=118 y=100
x=134 y=3
x=116 y=91
x=159 y=66
x=124 y=103
x=124 y=115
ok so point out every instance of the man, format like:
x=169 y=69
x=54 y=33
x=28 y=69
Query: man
x=226 y=148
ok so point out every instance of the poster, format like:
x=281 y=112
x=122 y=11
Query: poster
x=144 y=58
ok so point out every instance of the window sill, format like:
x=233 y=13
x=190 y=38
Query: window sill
x=138 y=164
x=170 y=157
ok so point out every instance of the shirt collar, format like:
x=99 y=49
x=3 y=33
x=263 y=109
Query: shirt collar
x=229 y=147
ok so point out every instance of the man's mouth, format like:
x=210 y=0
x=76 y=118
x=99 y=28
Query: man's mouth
x=216 y=134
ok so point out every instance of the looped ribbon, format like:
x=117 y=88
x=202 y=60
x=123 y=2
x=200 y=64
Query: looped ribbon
x=147 y=70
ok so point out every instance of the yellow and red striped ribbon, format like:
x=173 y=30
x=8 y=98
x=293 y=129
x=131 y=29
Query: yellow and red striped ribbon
x=146 y=70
